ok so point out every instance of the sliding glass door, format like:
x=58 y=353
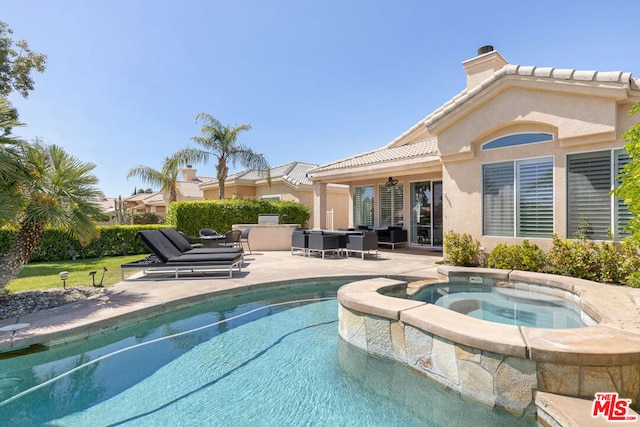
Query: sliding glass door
x=426 y=213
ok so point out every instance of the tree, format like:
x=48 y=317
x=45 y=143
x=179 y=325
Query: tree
x=629 y=188
x=221 y=142
x=13 y=167
x=166 y=178
x=17 y=61
x=60 y=192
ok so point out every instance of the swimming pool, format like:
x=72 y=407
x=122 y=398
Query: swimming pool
x=267 y=358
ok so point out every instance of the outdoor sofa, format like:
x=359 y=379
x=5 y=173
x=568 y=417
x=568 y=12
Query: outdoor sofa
x=392 y=236
x=175 y=254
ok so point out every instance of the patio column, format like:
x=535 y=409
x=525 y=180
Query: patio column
x=319 y=205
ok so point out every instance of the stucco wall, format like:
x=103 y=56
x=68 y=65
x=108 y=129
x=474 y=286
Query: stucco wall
x=579 y=122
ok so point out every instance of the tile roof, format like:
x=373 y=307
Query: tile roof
x=155 y=199
x=294 y=173
x=538 y=73
x=190 y=190
x=140 y=197
x=425 y=147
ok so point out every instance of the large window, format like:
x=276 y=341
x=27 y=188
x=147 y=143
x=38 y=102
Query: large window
x=391 y=205
x=518 y=198
x=592 y=211
x=363 y=206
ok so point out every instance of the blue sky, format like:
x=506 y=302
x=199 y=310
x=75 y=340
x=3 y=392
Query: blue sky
x=318 y=80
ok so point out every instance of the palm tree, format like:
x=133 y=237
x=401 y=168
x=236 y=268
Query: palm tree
x=60 y=192
x=166 y=178
x=220 y=141
x=13 y=166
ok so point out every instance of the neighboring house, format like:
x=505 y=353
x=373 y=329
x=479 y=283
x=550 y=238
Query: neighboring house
x=158 y=202
x=106 y=204
x=522 y=152
x=289 y=182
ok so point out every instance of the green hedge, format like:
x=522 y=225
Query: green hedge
x=56 y=245
x=220 y=215
x=190 y=217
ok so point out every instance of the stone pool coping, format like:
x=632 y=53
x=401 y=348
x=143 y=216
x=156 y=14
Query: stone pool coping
x=615 y=340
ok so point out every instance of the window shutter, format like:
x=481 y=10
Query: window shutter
x=589 y=203
x=363 y=206
x=391 y=205
x=622 y=215
x=535 y=198
x=498 y=199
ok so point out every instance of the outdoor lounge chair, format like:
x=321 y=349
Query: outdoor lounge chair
x=186 y=248
x=168 y=258
x=365 y=242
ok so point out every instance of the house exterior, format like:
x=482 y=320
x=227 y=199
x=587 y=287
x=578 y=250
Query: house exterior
x=289 y=182
x=522 y=152
x=158 y=202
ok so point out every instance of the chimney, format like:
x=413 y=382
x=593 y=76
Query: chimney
x=188 y=174
x=483 y=66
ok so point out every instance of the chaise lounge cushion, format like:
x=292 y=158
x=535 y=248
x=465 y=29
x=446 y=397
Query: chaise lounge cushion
x=185 y=247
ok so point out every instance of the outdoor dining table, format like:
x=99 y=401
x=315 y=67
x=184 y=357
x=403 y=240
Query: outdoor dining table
x=213 y=241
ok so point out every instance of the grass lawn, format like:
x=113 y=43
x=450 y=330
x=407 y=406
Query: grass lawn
x=45 y=275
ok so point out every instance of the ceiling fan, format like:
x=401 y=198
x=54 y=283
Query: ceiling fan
x=391 y=182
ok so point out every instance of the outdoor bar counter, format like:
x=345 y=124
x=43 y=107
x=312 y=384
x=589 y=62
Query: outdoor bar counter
x=268 y=237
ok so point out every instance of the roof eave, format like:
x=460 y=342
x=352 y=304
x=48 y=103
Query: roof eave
x=398 y=167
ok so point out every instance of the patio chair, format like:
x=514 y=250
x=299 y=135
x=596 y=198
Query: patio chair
x=244 y=237
x=321 y=242
x=208 y=232
x=300 y=241
x=362 y=243
x=232 y=239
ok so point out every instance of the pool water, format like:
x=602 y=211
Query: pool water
x=247 y=361
x=504 y=305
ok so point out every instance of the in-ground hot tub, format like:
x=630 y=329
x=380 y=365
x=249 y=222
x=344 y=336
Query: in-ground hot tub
x=495 y=363
x=519 y=304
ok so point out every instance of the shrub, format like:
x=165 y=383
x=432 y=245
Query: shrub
x=611 y=261
x=147 y=218
x=525 y=257
x=460 y=249
x=575 y=258
x=630 y=262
